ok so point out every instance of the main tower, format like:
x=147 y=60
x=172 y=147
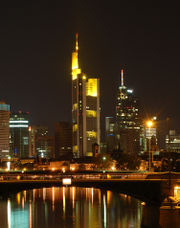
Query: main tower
x=85 y=109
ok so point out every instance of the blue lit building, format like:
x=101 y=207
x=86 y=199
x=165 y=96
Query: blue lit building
x=4 y=129
x=19 y=134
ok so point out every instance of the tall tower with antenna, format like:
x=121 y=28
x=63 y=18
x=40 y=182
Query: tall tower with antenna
x=127 y=119
x=85 y=109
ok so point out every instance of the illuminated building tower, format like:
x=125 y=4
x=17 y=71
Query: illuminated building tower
x=110 y=136
x=128 y=124
x=4 y=129
x=19 y=134
x=41 y=145
x=172 y=142
x=85 y=109
x=63 y=139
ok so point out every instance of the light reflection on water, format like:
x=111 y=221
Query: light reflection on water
x=70 y=207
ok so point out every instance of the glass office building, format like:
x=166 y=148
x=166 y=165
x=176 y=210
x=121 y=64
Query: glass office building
x=19 y=134
x=4 y=129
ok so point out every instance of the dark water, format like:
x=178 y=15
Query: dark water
x=75 y=207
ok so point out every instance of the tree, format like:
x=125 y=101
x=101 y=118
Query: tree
x=103 y=161
x=125 y=160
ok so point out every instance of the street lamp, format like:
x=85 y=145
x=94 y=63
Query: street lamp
x=149 y=125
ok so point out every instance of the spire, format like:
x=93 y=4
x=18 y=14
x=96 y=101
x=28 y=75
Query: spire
x=75 y=63
x=122 y=77
x=77 y=45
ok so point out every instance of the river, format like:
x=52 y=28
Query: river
x=74 y=207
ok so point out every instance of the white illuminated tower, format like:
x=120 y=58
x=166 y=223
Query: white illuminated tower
x=127 y=108
x=85 y=109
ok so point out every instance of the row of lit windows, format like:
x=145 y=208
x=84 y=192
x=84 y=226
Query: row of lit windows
x=91 y=134
x=91 y=87
x=18 y=121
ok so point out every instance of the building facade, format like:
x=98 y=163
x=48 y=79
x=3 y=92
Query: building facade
x=19 y=134
x=109 y=133
x=85 y=109
x=41 y=145
x=63 y=139
x=172 y=142
x=4 y=129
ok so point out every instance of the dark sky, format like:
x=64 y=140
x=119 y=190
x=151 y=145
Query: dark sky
x=37 y=39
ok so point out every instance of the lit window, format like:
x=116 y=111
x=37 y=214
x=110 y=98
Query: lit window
x=90 y=113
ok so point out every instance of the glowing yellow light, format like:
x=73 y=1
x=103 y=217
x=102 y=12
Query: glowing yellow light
x=84 y=77
x=75 y=72
x=113 y=168
x=18 y=198
x=73 y=168
x=74 y=106
x=91 y=87
x=90 y=113
x=91 y=134
x=75 y=148
x=89 y=154
x=109 y=195
x=177 y=187
x=75 y=63
x=8 y=166
x=75 y=127
x=149 y=123
x=18 y=177
x=63 y=170
x=53 y=169
x=177 y=192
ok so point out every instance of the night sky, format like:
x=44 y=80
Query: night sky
x=37 y=39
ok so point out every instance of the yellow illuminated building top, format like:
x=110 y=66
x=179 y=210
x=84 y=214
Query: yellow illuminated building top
x=75 y=127
x=75 y=63
x=91 y=87
x=91 y=113
x=75 y=149
x=91 y=134
x=75 y=106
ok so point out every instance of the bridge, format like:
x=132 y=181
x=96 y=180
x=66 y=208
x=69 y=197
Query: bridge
x=151 y=188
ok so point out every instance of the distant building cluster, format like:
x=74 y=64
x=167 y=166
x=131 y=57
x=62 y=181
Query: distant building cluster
x=18 y=139
x=125 y=132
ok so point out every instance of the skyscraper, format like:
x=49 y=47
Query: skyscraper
x=41 y=145
x=85 y=109
x=4 y=129
x=63 y=139
x=109 y=133
x=128 y=123
x=19 y=134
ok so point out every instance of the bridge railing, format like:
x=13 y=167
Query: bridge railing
x=93 y=176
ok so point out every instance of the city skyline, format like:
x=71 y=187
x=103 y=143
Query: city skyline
x=36 y=46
